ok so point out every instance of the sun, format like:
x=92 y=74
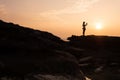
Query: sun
x=98 y=26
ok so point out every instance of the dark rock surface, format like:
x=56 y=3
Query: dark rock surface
x=28 y=54
x=35 y=55
x=100 y=60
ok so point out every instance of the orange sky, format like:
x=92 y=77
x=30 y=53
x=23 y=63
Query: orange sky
x=64 y=17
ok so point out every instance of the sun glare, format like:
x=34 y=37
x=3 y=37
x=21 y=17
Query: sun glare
x=98 y=26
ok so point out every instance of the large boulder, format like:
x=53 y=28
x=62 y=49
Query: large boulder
x=35 y=55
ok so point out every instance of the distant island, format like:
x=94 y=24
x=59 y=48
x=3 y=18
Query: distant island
x=29 y=54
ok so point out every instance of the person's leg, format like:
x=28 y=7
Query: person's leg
x=83 y=32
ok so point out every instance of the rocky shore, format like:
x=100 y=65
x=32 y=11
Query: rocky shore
x=28 y=54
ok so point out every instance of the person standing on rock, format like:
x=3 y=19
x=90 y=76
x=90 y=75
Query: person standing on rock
x=84 y=27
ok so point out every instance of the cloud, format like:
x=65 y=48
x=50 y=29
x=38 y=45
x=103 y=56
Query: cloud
x=79 y=6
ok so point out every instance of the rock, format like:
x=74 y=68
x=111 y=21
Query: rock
x=35 y=55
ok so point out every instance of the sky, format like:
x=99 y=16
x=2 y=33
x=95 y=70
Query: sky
x=64 y=18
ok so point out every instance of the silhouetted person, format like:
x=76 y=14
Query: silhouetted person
x=84 y=27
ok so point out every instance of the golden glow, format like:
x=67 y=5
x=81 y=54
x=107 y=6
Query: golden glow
x=64 y=17
x=98 y=26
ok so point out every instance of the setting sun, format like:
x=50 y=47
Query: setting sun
x=98 y=26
